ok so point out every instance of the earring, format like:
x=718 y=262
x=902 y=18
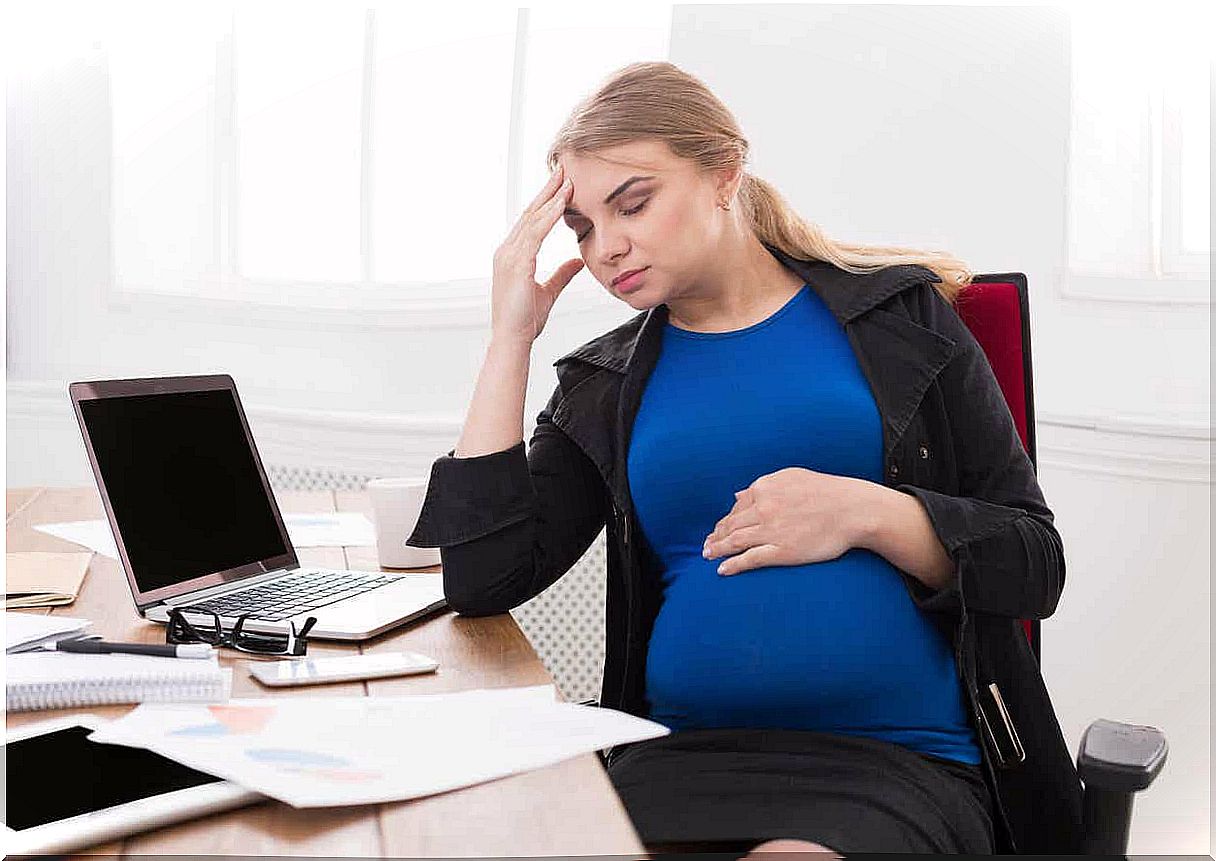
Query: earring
x=725 y=205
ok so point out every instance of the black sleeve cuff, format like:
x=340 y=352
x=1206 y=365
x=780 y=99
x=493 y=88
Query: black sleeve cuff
x=960 y=522
x=468 y=497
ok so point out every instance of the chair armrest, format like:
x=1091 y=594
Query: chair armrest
x=1116 y=761
x=1121 y=757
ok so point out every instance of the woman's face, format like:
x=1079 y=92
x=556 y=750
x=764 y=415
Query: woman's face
x=638 y=206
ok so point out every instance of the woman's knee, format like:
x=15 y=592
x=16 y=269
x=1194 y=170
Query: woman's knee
x=789 y=845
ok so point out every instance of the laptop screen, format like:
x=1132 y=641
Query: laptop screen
x=185 y=490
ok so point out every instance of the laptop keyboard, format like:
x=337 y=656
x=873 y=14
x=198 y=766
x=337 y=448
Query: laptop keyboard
x=298 y=592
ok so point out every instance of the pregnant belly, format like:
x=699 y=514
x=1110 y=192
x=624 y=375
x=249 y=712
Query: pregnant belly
x=831 y=644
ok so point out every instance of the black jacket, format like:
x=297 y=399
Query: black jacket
x=510 y=524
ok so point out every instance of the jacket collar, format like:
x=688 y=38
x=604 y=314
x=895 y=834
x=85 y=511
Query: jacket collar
x=846 y=294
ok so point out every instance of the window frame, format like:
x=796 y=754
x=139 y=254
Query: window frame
x=222 y=293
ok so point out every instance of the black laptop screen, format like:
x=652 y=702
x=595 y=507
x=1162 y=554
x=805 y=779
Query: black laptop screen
x=186 y=493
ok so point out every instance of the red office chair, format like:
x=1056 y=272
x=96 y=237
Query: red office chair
x=1116 y=760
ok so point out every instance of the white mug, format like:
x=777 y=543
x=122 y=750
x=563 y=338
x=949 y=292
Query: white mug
x=396 y=504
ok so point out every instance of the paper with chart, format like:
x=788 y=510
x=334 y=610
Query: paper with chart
x=323 y=529
x=328 y=751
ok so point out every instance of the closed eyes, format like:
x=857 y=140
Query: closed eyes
x=633 y=211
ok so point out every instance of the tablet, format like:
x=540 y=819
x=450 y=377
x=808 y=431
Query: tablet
x=65 y=792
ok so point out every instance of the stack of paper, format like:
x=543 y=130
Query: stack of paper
x=38 y=579
x=24 y=632
x=320 y=752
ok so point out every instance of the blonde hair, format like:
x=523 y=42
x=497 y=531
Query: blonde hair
x=659 y=101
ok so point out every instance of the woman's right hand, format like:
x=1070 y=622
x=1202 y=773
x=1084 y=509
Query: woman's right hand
x=519 y=305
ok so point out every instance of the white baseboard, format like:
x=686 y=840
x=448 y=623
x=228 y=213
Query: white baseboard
x=1141 y=447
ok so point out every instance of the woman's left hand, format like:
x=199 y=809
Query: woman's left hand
x=793 y=516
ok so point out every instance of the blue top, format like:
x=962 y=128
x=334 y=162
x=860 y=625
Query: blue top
x=836 y=646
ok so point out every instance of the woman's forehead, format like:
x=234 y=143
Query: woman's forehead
x=638 y=156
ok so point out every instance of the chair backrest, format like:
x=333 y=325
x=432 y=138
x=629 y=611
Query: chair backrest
x=996 y=309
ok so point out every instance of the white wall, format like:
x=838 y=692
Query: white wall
x=932 y=126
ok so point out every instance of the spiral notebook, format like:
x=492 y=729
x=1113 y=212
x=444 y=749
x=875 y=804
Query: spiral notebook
x=51 y=680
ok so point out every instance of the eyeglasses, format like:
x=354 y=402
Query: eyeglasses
x=182 y=630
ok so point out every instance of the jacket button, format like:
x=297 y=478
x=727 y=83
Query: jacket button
x=924 y=452
x=894 y=469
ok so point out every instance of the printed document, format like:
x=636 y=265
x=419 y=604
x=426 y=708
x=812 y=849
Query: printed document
x=328 y=751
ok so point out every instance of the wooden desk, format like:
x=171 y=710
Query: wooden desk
x=566 y=809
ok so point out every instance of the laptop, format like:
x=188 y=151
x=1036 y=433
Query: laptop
x=197 y=526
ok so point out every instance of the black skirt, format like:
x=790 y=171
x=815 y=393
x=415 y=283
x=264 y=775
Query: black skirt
x=730 y=789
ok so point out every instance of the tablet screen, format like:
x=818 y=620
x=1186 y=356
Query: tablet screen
x=62 y=774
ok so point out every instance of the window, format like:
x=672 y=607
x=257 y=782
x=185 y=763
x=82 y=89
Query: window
x=335 y=156
x=1139 y=206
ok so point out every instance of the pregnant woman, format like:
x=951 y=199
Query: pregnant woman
x=822 y=526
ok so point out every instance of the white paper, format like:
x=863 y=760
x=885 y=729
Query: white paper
x=23 y=631
x=47 y=667
x=324 y=529
x=93 y=534
x=329 y=751
x=330 y=529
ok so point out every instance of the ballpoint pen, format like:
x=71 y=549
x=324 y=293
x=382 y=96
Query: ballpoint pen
x=101 y=647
